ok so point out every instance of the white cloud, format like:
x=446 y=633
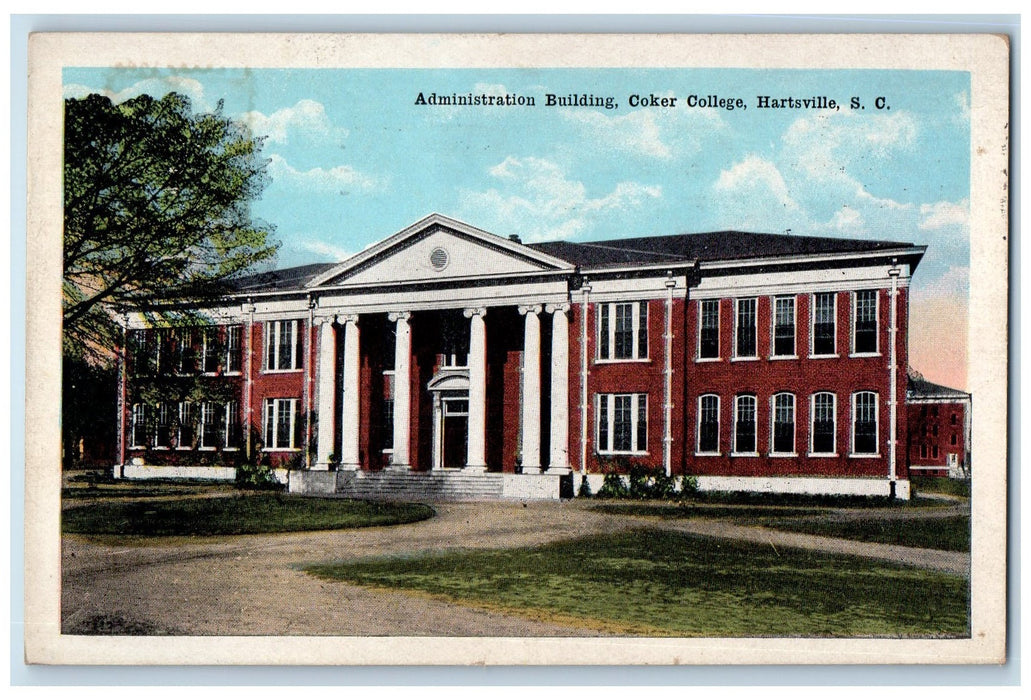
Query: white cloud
x=307 y=118
x=155 y=87
x=325 y=250
x=945 y=214
x=537 y=200
x=337 y=179
x=955 y=282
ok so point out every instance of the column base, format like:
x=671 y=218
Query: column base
x=531 y=470
x=320 y=467
x=349 y=467
x=559 y=470
x=475 y=468
x=398 y=467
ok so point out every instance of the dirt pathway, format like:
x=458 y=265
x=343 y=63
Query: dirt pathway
x=252 y=585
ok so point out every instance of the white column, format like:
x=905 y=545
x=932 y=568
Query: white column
x=327 y=391
x=477 y=445
x=559 y=462
x=531 y=406
x=349 y=416
x=402 y=387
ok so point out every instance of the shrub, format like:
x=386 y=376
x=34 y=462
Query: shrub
x=613 y=487
x=688 y=486
x=585 y=488
x=257 y=477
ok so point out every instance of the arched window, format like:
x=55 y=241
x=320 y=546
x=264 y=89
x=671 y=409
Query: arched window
x=864 y=423
x=823 y=424
x=744 y=424
x=709 y=424
x=783 y=441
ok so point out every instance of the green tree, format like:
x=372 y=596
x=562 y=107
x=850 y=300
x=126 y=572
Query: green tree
x=156 y=205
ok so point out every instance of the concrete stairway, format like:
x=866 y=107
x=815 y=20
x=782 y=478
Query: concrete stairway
x=427 y=486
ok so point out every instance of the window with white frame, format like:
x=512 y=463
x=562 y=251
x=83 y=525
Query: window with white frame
x=138 y=428
x=211 y=350
x=709 y=329
x=784 y=327
x=864 y=423
x=864 y=322
x=783 y=439
x=744 y=424
x=823 y=428
x=744 y=329
x=163 y=425
x=709 y=424
x=623 y=331
x=825 y=327
x=184 y=439
x=454 y=335
x=282 y=345
x=211 y=415
x=281 y=424
x=232 y=349
x=186 y=350
x=232 y=423
x=622 y=421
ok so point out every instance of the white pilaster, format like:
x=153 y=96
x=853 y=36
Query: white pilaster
x=531 y=414
x=477 y=444
x=559 y=452
x=327 y=392
x=402 y=387
x=349 y=416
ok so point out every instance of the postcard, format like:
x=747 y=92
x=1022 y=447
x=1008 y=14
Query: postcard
x=517 y=349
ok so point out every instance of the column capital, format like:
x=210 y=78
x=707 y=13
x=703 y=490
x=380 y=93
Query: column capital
x=557 y=308
x=326 y=319
x=347 y=318
x=396 y=316
x=474 y=311
x=530 y=309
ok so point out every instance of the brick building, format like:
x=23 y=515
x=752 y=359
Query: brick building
x=449 y=355
x=939 y=430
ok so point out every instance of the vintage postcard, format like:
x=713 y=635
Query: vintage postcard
x=517 y=349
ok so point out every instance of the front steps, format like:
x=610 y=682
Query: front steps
x=439 y=485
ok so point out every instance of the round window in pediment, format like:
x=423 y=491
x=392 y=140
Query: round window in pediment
x=439 y=259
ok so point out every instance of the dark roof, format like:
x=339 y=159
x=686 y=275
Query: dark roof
x=705 y=247
x=921 y=388
x=289 y=278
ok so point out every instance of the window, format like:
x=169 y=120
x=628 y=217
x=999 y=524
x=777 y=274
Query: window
x=386 y=425
x=455 y=337
x=232 y=423
x=142 y=349
x=709 y=329
x=952 y=419
x=953 y=440
x=864 y=329
x=163 y=427
x=281 y=424
x=184 y=440
x=934 y=452
x=824 y=422
x=186 y=352
x=232 y=347
x=923 y=451
x=282 y=345
x=709 y=424
x=622 y=423
x=825 y=324
x=138 y=429
x=864 y=423
x=744 y=341
x=744 y=424
x=211 y=351
x=623 y=331
x=783 y=424
x=784 y=327
x=211 y=415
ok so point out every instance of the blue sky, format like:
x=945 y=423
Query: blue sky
x=354 y=159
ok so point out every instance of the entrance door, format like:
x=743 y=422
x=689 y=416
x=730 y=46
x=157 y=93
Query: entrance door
x=455 y=430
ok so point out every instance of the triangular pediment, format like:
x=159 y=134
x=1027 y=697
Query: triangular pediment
x=439 y=248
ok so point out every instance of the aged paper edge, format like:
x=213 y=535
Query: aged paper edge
x=984 y=56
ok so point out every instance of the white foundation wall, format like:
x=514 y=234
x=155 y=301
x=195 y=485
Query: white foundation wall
x=149 y=471
x=812 y=486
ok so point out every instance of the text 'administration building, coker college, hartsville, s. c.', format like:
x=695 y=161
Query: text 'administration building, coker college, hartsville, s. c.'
x=449 y=361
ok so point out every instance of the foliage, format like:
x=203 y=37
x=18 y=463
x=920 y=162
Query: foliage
x=613 y=487
x=257 y=477
x=585 y=488
x=236 y=515
x=641 y=482
x=156 y=205
x=657 y=582
x=940 y=484
x=89 y=403
x=688 y=486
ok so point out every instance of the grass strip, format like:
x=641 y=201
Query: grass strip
x=236 y=515
x=657 y=582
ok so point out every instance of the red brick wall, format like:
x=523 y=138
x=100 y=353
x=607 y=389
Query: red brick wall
x=933 y=427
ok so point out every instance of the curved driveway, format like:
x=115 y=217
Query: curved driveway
x=252 y=585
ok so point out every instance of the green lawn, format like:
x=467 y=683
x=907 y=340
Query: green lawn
x=939 y=484
x=663 y=583
x=236 y=515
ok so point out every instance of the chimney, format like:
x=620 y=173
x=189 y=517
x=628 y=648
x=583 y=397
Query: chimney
x=514 y=237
